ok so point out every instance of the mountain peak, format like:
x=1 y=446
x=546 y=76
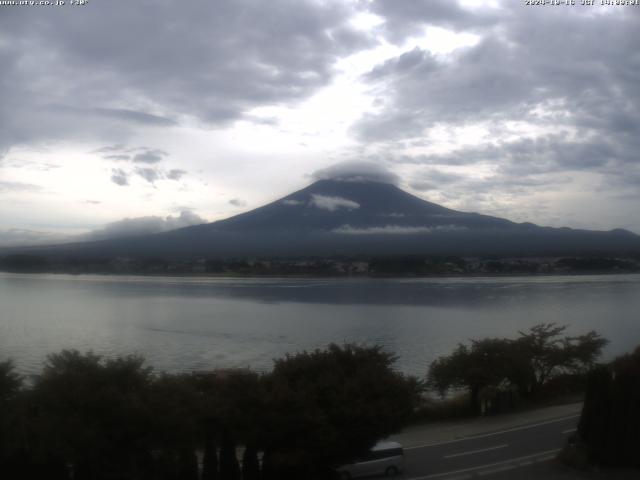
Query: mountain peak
x=357 y=171
x=329 y=204
x=348 y=216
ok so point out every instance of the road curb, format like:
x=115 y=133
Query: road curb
x=446 y=432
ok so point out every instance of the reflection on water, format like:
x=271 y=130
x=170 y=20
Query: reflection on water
x=193 y=323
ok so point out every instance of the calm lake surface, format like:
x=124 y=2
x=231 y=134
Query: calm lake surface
x=183 y=324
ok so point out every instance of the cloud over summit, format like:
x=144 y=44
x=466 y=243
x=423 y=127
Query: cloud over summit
x=357 y=171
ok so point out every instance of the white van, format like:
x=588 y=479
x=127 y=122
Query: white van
x=386 y=458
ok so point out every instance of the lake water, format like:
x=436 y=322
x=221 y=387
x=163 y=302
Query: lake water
x=183 y=324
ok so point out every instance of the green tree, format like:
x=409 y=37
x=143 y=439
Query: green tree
x=327 y=406
x=10 y=412
x=484 y=363
x=92 y=413
x=176 y=406
x=233 y=411
x=527 y=362
x=10 y=381
x=542 y=353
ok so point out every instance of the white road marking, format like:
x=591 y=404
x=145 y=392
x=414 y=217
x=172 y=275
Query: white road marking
x=571 y=430
x=471 y=452
x=490 y=465
x=503 y=468
x=545 y=459
x=484 y=435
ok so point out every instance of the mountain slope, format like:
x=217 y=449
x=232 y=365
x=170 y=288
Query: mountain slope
x=330 y=204
x=332 y=217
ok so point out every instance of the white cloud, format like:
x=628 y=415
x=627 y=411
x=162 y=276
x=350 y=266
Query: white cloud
x=150 y=156
x=292 y=203
x=396 y=230
x=332 y=203
x=127 y=227
x=356 y=171
x=176 y=174
x=149 y=174
x=119 y=177
x=144 y=225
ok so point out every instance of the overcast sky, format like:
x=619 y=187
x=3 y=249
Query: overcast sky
x=149 y=115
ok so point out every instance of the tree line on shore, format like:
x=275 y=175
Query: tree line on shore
x=396 y=265
x=85 y=417
x=495 y=370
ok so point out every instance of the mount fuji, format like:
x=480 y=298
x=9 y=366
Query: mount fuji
x=333 y=217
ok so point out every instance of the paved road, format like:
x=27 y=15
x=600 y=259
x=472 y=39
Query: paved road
x=490 y=453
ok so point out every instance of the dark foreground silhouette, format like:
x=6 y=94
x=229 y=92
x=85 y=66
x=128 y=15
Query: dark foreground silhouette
x=89 y=418
x=609 y=428
x=92 y=418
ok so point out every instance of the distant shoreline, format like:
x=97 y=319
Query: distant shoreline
x=319 y=276
x=406 y=266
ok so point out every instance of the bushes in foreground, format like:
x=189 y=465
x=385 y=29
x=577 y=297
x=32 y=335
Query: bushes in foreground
x=87 y=417
x=610 y=421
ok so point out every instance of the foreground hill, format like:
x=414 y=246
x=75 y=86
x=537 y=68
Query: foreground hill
x=333 y=218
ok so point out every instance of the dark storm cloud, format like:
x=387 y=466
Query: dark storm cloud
x=118 y=65
x=134 y=116
x=29 y=121
x=546 y=154
x=409 y=17
x=356 y=171
x=482 y=83
x=117 y=114
x=585 y=91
